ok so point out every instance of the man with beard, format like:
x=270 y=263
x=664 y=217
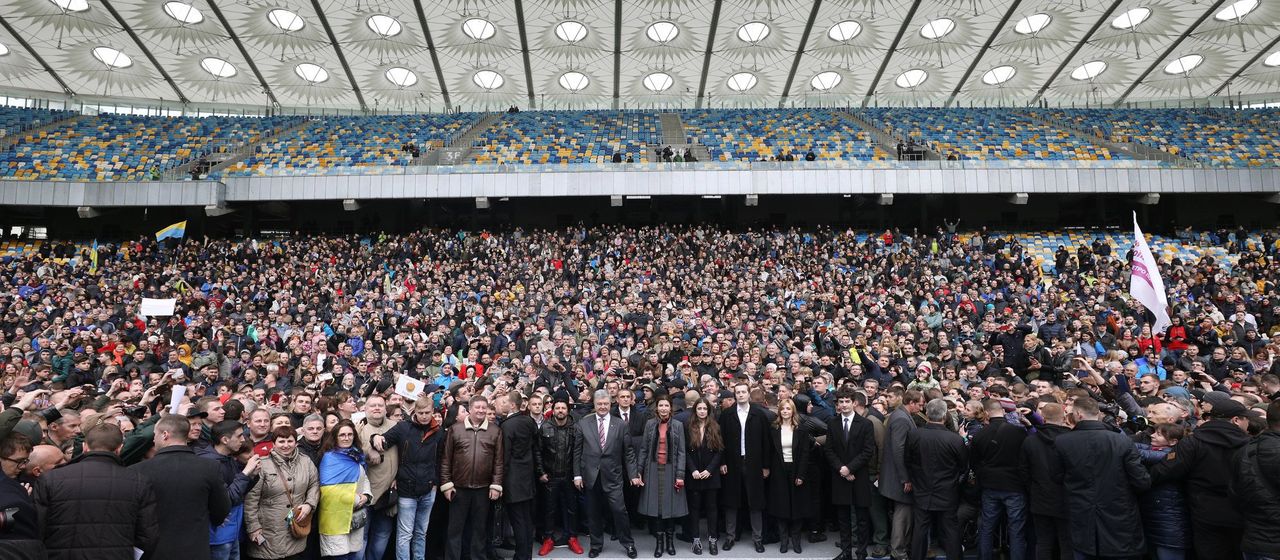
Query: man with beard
x=555 y=445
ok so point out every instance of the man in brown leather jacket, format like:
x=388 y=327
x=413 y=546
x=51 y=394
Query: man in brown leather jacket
x=471 y=476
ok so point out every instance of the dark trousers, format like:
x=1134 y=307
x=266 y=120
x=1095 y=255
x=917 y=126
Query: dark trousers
x=855 y=529
x=948 y=526
x=703 y=504
x=1215 y=541
x=560 y=509
x=601 y=503
x=520 y=514
x=470 y=506
x=1053 y=538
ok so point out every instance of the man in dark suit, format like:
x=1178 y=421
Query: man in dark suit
x=747 y=446
x=520 y=445
x=850 y=446
x=633 y=420
x=604 y=461
x=937 y=461
x=895 y=481
x=182 y=482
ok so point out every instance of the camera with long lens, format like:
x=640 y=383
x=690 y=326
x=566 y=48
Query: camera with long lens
x=8 y=519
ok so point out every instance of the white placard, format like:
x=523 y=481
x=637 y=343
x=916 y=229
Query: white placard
x=175 y=397
x=157 y=307
x=409 y=387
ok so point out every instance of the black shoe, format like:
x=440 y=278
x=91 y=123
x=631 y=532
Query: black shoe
x=728 y=544
x=631 y=550
x=759 y=545
x=844 y=555
x=697 y=546
x=783 y=546
x=658 y=548
x=711 y=547
x=593 y=553
x=671 y=543
x=817 y=537
x=795 y=543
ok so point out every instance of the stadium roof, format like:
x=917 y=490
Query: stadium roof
x=421 y=55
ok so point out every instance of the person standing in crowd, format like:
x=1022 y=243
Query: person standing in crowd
x=895 y=481
x=746 y=434
x=1102 y=475
x=520 y=457
x=996 y=454
x=938 y=463
x=792 y=494
x=1202 y=462
x=661 y=459
x=94 y=508
x=603 y=459
x=703 y=480
x=472 y=472
x=418 y=439
x=555 y=446
x=312 y=441
x=227 y=439
x=22 y=538
x=634 y=417
x=345 y=494
x=1040 y=469
x=849 y=450
x=1255 y=488
x=382 y=468
x=180 y=480
x=286 y=495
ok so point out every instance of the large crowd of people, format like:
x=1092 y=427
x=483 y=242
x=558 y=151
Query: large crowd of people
x=448 y=394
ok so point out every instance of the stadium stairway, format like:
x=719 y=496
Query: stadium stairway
x=1131 y=149
x=458 y=150
x=672 y=129
x=9 y=140
x=885 y=140
x=221 y=160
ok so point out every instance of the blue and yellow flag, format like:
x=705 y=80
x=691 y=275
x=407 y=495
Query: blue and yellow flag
x=178 y=230
x=93 y=258
x=339 y=473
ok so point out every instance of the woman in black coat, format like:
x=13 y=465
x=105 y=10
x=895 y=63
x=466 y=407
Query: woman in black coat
x=702 y=474
x=791 y=477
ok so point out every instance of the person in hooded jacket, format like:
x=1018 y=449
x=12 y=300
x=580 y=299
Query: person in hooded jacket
x=1255 y=488
x=1202 y=463
x=1164 y=507
x=1041 y=472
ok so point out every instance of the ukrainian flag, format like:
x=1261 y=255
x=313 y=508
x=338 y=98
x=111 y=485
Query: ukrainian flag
x=339 y=474
x=178 y=230
x=93 y=258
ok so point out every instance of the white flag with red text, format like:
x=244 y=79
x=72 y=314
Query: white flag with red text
x=1145 y=284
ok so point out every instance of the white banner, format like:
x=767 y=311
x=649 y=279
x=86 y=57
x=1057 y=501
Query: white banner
x=1145 y=284
x=409 y=387
x=157 y=307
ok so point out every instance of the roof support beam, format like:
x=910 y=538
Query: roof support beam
x=145 y=51
x=333 y=39
x=22 y=41
x=1076 y=50
x=524 y=51
x=244 y=53
x=1252 y=60
x=706 y=56
x=1217 y=4
x=795 y=63
x=617 y=51
x=431 y=49
x=884 y=64
x=1013 y=8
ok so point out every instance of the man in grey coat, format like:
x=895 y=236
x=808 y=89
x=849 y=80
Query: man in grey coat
x=895 y=481
x=604 y=461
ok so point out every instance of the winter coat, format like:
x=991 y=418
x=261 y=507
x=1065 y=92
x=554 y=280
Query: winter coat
x=702 y=458
x=238 y=485
x=382 y=474
x=745 y=470
x=893 y=467
x=190 y=498
x=419 y=449
x=858 y=452
x=1101 y=476
x=996 y=454
x=520 y=447
x=1255 y=488
x=786 y=500
x=938 y=463
x=658 y=496
x=1040 y=469
x=1164 y=508
x=1202 y=463
x=266 y=508
x=95 y=509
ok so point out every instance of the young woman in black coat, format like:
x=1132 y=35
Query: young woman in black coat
x=702 y=474
x=791 y=482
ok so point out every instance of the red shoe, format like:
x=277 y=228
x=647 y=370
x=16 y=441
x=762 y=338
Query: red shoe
x=574 y=546
x=547 y=545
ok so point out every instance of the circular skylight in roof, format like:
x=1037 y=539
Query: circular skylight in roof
x=311 y=72
x=938 y=28
x=998 y=75
x=912 y=78
x=1237 y=10
x=753 y=31
x=1273 y=59
x=662 y=32
x=1089 y=70
x=742 y=81
x=402 y=77
x=3 y=50
x=218 y=67
x=479 y=29
x=658 y=81
x=844 y=31
x=488 y=79
x=285 y=20
x=574 y=81
x=1183 y=64
x=183 y=12
x=1032 y=24
x=112 y=57
x=824 y=81
x=571 y=31
x=384 y=25
x=1131 y=18
x=71 y=5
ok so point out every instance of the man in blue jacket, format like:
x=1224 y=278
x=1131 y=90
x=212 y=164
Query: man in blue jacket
x=228 y=438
